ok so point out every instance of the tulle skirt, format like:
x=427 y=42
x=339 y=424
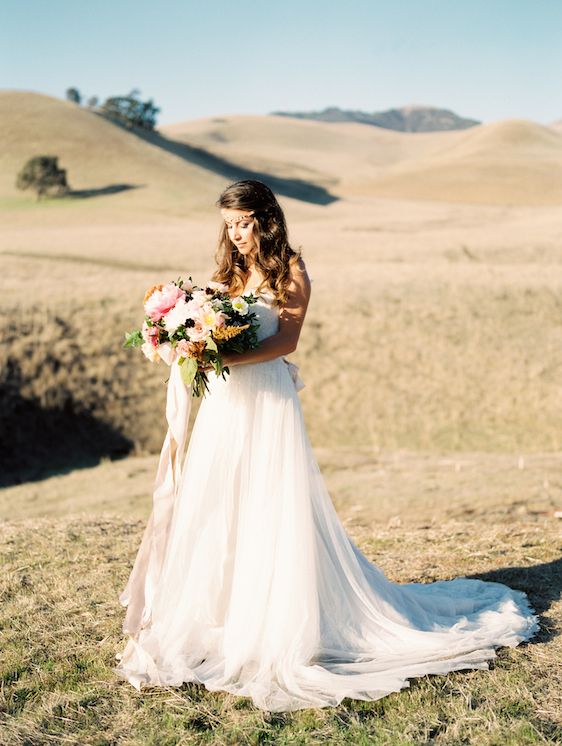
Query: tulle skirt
x=264 y=595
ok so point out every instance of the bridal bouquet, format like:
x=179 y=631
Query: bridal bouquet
x=196 y=325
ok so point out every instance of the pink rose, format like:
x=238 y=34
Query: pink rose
x=182 y=348
x=198 y=332
x=161 y=301
x=150 y=334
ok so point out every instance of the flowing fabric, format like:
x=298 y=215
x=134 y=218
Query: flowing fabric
x=261 y=592
x=141 y=587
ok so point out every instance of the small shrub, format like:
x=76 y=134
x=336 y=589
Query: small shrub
x=42 y=174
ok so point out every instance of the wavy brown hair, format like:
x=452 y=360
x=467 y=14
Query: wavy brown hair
x=274 y=256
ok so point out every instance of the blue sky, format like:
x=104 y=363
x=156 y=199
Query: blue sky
x=487 y=59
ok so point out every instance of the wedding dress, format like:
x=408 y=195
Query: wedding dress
x=260 y=592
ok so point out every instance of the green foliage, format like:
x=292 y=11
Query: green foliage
x=188 y=368
x=41 y=173
x=133 y=339
x=131 y=111
x=74 y=95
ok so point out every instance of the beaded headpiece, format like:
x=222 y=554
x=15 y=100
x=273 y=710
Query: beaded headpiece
x=231 y=221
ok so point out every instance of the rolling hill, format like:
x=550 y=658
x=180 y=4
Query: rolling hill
x=98 y=155
x=504 y=162
x=184 y=166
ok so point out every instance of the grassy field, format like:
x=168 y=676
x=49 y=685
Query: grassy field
x=68 y=543
x=61 y=628
x=430 y=327
x=369 y=488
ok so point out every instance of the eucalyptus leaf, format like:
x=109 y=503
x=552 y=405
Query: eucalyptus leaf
x=188 y=369
x=133 y=339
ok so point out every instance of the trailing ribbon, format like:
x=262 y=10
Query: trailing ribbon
x=294 y=371
x=138 y=594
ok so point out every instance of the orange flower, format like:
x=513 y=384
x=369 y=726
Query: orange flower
x=150 y=291
x=195 y=350
x=228 y=332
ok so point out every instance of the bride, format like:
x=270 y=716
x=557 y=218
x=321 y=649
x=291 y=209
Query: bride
x=258 y=590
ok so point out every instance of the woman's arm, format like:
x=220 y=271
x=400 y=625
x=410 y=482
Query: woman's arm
x=291 y=319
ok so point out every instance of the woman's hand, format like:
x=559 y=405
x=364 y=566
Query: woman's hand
x=228 y=359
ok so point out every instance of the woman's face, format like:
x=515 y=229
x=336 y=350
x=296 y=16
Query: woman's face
x=240 y=232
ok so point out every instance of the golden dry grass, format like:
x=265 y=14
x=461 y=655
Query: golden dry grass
x=378 y=489
x=453 y=312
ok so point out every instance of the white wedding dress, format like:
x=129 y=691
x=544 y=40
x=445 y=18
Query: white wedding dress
x=261 y=592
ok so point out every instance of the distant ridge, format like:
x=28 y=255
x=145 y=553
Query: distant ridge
x=411 y=118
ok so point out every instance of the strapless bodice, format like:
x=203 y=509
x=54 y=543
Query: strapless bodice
x=267 y=313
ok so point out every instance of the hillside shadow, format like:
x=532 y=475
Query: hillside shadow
x=305 y=191
x=36 y=443
x=543 y=585
x=101 y=191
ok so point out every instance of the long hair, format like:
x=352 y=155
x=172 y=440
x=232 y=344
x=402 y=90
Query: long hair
x=274 y=255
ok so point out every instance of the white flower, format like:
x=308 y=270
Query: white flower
x=220 y=286
x=150 y=352
x=193 y=309
x=208 y=316
x=176 y=316
x=240 y=305
x=200 y=297
x=198 y=333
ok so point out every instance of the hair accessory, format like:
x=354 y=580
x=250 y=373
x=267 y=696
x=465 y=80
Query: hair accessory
x=231 y=221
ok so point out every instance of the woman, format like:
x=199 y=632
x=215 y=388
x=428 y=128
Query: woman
x=261 y=592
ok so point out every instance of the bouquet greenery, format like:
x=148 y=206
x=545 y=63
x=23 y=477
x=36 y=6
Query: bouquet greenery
x=195 y=326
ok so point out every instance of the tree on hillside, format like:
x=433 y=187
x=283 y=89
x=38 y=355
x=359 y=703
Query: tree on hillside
x=42 y=174
x=131 y=111
x=74 y=95
x=92 y=102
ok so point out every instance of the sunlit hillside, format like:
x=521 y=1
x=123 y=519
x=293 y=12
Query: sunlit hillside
x=505 y=162
x=452 y=307
x=330 y=153
x=100 y=157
